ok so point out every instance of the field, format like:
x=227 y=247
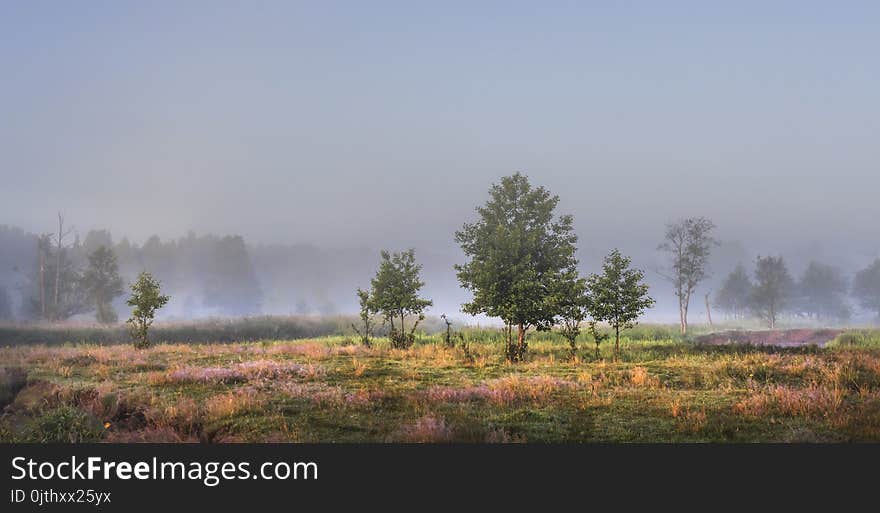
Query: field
x=331 y=389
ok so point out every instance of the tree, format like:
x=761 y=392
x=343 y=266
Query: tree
x=733 y=298
x=103 y=284
x=145 y=299
x=688 y=243
x=598 y=336
x=618 y=296
x=366 y=314
x=821 y=293
x=94 y=239
x=573 y=302
x=866 y=287
x=450 y=342
x=395 y=293
x=5 y=305
x=44 y=245
x=231 y=285
x=59 y=264
x=773 y=288
x=54 y=293
x=519 y=253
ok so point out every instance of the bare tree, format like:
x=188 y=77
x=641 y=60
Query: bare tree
x=43 y=245
x=62 y=234
x=688 y=244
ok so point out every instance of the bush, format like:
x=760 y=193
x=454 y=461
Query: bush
x=64 y=424
x=857 y=339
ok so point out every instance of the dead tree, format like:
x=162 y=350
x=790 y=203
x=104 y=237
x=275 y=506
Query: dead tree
x=59 y=249
x=42 y=248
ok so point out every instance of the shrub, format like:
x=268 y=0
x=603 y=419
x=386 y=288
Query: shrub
x=63 y=424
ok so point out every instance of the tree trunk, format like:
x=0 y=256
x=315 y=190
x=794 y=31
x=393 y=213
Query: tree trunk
x=55 y=309
x=708 y=309
x=684 y=317
x=42 y=252
x=520 y=349
x=616 y=342
x=681 y=327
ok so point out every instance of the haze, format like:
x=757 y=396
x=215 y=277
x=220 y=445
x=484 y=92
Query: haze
x=367 y=125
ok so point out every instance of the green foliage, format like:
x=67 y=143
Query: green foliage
x=103 y=283
x=145 y=300
x=735 y=293
x=821 y=293
x=688 y=243
x=519 y=255
x=773 y=289
x=598 y=336
x=618 y=296
x=864 y=339
x=55 y=290
x=395 y=294
x=573 y=304
x=63 y=424
x=866 y=287
x=365 y=331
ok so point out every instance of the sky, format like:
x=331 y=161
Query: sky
x=384 y=123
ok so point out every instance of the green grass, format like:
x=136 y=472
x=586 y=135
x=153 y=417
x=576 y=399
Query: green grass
x=203 y=331
x=865 y=339
x=664 y=389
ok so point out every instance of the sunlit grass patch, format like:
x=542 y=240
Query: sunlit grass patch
x=332 y=389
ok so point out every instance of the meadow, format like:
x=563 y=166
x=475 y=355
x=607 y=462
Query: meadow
x=665 y=388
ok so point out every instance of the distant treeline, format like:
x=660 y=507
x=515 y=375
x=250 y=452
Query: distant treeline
x=205 y=275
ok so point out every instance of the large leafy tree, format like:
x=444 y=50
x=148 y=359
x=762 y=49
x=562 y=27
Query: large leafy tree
x=773 y=290
x=866 y=287
x=688 y=243
x=821 y=293
x=733 y=298
x=395 y=293
x=103 y=284
x=618 y=296
x=519 y=253
x=146 y=298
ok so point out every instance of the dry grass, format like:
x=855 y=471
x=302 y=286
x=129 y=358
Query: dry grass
x=640 y=377
x=426 y=429
x=313 y=391
x=813 y=400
